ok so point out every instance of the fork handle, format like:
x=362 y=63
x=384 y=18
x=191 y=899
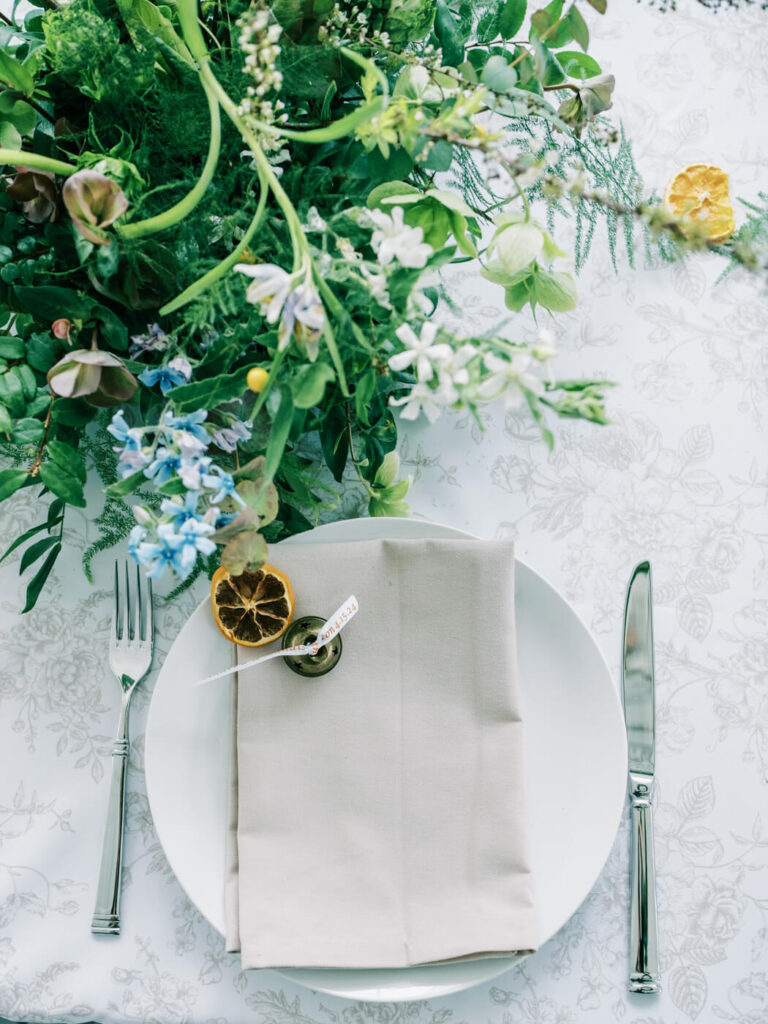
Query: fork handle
x=106 y=915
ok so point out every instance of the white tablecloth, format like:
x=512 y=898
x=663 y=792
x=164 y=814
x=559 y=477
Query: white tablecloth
x=680 y=477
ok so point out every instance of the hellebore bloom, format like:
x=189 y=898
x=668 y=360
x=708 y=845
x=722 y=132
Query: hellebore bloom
x=99 y=377
x=94 y=202
x=36 y=190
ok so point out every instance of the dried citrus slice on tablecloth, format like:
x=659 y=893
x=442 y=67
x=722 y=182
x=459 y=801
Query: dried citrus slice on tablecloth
x=700 y=194
x=253 y=608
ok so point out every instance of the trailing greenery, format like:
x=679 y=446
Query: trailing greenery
x=227 y=225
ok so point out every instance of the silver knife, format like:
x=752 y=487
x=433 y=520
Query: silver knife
x=639 y=716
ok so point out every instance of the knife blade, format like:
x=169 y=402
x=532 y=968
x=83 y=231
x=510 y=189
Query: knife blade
x=640 y=719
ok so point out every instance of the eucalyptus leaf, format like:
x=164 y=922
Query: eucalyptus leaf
x=62 y=484
x=38 y=581
x=10 y=481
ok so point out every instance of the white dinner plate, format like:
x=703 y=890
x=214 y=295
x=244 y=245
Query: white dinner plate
x=575 y=760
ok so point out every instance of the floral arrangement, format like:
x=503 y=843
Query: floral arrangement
x=221 y=240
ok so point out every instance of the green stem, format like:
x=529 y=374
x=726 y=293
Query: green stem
x=20 y=158
x=205 y=282
x=176 y=213
x=333 y=349
x=272 y=377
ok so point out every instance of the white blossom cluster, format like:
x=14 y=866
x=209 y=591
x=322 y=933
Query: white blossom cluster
x=349 y=24
x=259 y=42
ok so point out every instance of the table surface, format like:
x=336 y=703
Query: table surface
x=680 y=477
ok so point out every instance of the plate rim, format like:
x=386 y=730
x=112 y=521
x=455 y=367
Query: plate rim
x=308 y=977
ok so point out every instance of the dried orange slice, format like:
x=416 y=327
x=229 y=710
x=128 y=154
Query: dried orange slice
x=253 y=608
x=699 y=193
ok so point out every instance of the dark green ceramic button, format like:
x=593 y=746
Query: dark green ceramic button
x=304 y=631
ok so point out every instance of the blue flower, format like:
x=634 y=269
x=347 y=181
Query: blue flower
x=191 y=470
x=192 y=424
x=164 y=465
x=178 y=371
x=195 y=536
x=168 y=551
x=119 y=428
x=225 y=483
x=181 y=512
x=226 y=438
x=135 y=537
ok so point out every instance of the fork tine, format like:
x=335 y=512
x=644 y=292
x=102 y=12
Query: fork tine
x=140 y=633
x=150 y=617
x=116 y=611
x=127 y=615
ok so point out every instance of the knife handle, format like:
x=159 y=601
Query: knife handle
x=643 y=944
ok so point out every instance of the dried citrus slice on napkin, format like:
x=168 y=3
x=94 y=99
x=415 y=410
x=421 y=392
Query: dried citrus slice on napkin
x=253 y=608
x=699 y=193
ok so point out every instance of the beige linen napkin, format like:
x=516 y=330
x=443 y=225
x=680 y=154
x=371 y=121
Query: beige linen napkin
x=377 y=816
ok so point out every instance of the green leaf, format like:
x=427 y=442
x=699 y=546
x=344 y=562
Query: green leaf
x=138 y=14
x=35 y=551
x=72 y=412
x=51 y=302
x=206 y=394
x=488 y=26
x=48 y=525
x=578 y=65
x=518 y=295
x=439 y=156
x=333 y=438
x=15 y=74
x=19 y=113
x=364 y=392
x=498 y=75
x=598 y=5
x=42 y=352
x=38 y=581
x=261 y=498
x=278 y=434
x=390 y=191
x=5 y=420
x=10 y=137
x=11 y=348
x=447 y=32
x=70 y=460
x=62 y=483
x=10 y=481
x=511 y=18
x=248 y=550
x=308 y=385
x=27 y=431
x=12 y=393
x=556 y=291
x=579 y=28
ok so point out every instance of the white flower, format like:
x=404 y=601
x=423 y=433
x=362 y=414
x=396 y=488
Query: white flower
x=378 y=286
x=188 y=444
x=453 y=374
x=420 y=350
x=271 y=287
x=314 y=221
x=395 y=240
x=545 y=346
x=182 y=366
x=419 y=399
x=508 y=377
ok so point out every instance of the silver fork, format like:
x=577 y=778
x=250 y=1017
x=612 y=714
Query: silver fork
x=130 y=655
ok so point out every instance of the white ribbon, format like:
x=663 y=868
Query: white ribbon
x=327 y=632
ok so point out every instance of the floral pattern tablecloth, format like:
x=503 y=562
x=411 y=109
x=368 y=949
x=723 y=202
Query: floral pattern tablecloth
x=680 y=476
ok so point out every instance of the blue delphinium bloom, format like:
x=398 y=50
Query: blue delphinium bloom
x=219 y=478
x=178 y=371
x=192 y=424
x=180 y=512
x=163 y=466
